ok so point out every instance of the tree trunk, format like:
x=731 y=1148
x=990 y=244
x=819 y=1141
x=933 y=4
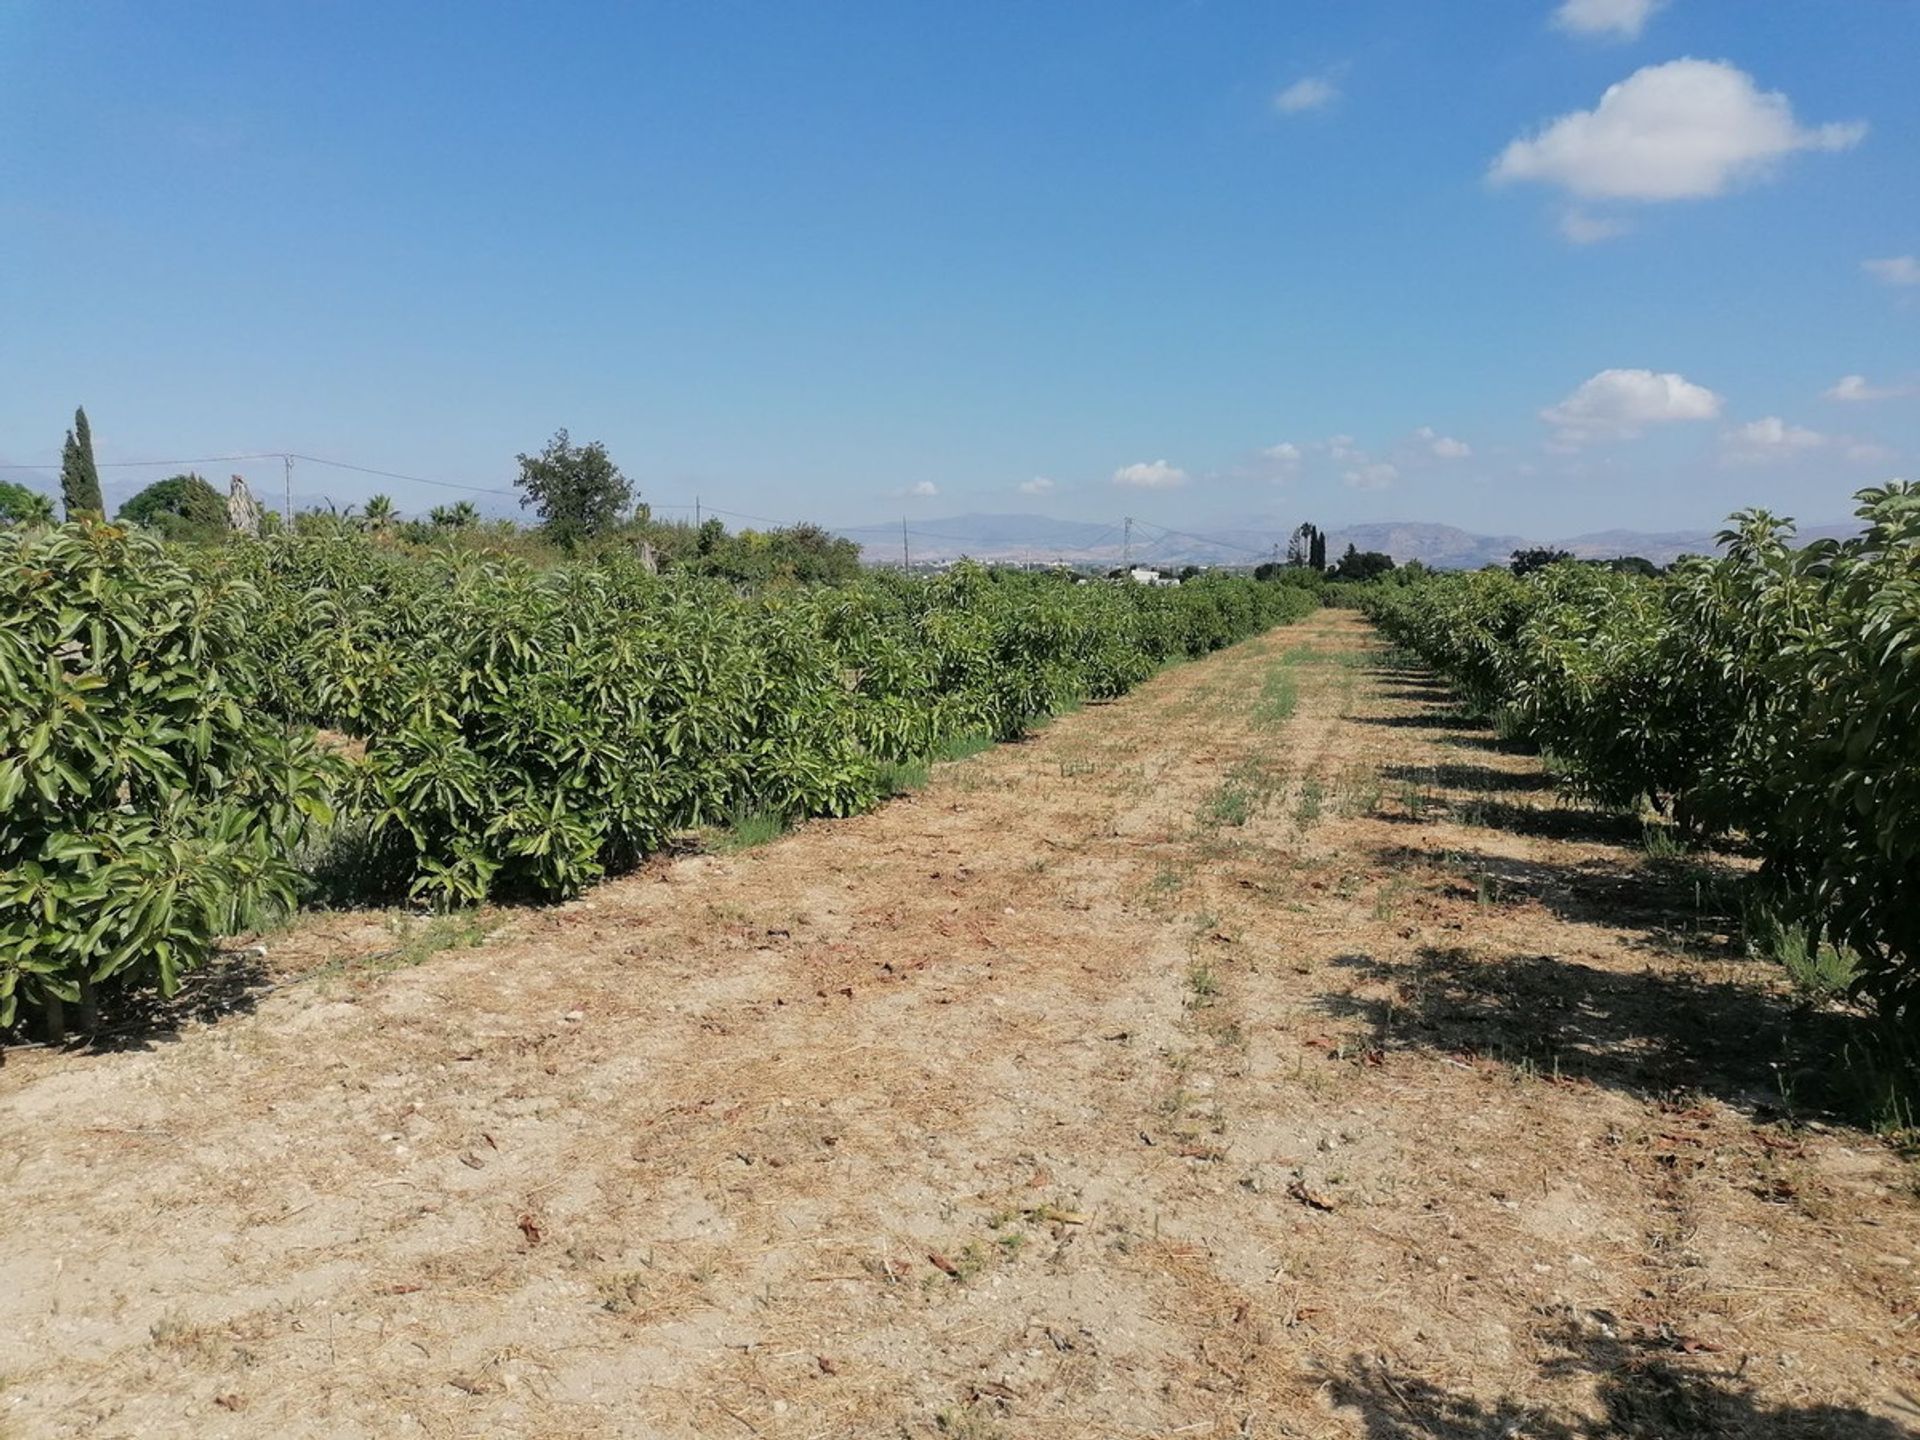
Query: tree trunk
x=53 y=1019
x=89 y=1007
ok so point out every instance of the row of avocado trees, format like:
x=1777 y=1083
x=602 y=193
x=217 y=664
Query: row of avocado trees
x=492 y=729
x=1773 y=692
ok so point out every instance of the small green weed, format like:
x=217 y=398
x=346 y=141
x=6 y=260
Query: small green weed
x=899 y=777
x=417 y=939
x=1279 y=695
x=1167 y=882
x=959 y=747
x=750 y=826
x=1662 y=842
x=1819 y=972
x=1229 y=805
x=1311 y=800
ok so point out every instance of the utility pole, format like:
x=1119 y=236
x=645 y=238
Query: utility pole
x=1126 y=547
x=696 y=512
x=906 y=554
x=286 y=463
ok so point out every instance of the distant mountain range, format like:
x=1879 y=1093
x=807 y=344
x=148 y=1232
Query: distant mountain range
x=1040 y=539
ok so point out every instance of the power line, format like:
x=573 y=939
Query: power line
x=396 y=475
x=143 y=464
x=284 y=456
x=1101 y=541
x=1201 y=539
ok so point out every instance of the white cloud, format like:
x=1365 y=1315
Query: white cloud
x=923 y=489
x=1150 y=475
x=1676 y=131
x=1866 y=452
x=1376 y=475
x=1608 y=19
x=1622 y=403
x=1584 y=229
x=1285 y=453
x=1038 y=485
x=1443 y=447
x=1894 y=270
x=1341 y=448
x=1313 y=93
x=1770 y=438
x=1856 y=388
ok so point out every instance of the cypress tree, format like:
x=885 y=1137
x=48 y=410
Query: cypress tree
x=1317 y=556
x=79 y=477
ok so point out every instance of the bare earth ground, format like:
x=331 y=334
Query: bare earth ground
x=1195 y=1068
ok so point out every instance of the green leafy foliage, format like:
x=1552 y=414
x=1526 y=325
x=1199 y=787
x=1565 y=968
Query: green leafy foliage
x=21 y=506
x=1773 y=691
x=527 y=731
x=514 y=732
x=1361 y=565
x=182 y=507
x=147 y=804
x=577 y=489
x=79 y=476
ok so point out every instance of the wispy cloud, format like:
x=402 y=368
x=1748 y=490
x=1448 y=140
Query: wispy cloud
x=1855 y=390
x=1373 y=475
x=1606 y=19
x=1314 y=92
x=1442 y=447
x=1038 y=485
x=1583 y=228
x=1894 y=270
x=1769 y=439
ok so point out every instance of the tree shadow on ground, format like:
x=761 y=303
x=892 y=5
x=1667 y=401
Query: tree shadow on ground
x=1425 y=720
x=1573 y=823
x=1476 y=779
x=1647 y=1033
x=1647 y=1386
x=1551 y=822
x=1498 y=744
x=1689 y=905
x=229 y=984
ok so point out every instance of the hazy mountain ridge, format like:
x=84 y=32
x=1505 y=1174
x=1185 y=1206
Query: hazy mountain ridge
x=1042 y=539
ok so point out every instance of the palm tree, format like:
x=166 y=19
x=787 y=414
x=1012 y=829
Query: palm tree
x=454 y=517
x=380 y=514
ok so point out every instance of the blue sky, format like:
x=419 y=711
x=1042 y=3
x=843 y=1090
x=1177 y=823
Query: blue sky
x=1194 y=262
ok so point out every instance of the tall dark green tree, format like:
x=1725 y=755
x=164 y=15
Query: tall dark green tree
x=1308 y=546
x=79 y=476
x=578 y=490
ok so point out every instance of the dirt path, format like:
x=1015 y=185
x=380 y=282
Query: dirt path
x=1264 y=1054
